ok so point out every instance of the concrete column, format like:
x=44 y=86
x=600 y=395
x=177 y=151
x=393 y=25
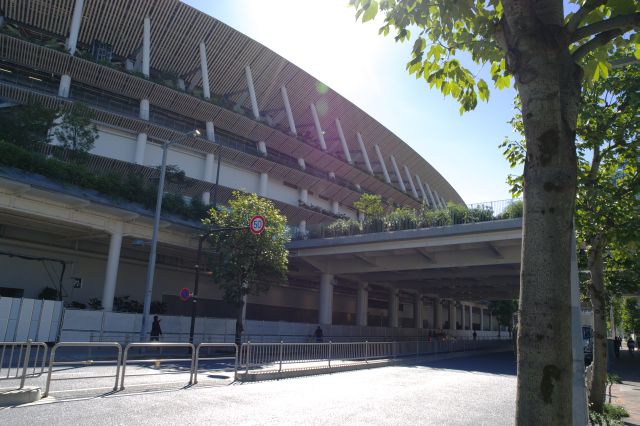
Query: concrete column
x=74 y=30
x=410 y=179
x=424 y=194
x=65 y=86
x=146 y=47
x=325 y=310
x=287 y=108
x=262 y=148
x=113 y=261
x=481 y=319
x=452 y=315
x=316 y=121
x=252 y=92
x=335 y=207
x=387 y=178
x=432 y=200
x=361 y=216
x=439 y=200
x=332 y=175
x=437 y=313
x=396 y=171
x=204 y=71
x=141 y=145
x=302 y=227
x=263 y=188
x=363 y=150
x=208 y=176
x=393 y=307
x=144 y=109
x=343 y=142
x=462 y=321
x=362 y=304
x=490 y=322
x=417 y=311
x=304 y=195
x=210 y=131
x=302 y=164
x=470 y=317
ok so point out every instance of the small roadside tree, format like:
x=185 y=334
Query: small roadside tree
x=26 y=124
x=503 y=310
x=76 y=130
x=244 y=263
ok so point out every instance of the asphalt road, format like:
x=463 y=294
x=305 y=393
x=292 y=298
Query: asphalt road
x=478 y=390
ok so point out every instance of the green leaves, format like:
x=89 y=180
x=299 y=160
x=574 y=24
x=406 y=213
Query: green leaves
x=371 y=10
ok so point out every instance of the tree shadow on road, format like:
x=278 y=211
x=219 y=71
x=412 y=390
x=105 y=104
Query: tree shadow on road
x=500 y=363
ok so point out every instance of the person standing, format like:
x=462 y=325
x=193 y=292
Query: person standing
x=319 y=335
x=156 y=331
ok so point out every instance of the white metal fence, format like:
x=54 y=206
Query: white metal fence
x=22 y=360
x=23 y=319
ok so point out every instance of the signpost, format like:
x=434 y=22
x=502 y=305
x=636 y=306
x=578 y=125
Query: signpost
x=185 y=294
x=256 y=224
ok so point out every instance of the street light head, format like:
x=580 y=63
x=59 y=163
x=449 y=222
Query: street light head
x=196 y=133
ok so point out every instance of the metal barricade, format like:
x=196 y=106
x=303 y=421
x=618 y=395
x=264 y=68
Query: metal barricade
x=215 y=345
x=158 y=345
x=52 y=359
x=24 y=360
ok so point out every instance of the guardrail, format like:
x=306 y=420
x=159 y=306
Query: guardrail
x=53 y=362
x=215 y=345
x=159 y=345
x=23 y=360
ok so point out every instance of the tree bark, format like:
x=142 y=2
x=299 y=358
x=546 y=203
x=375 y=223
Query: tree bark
x=598 y=389
x=548 y=82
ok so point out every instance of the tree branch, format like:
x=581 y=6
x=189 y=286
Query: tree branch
x=620 y=22
x=577 y=17
x=598 y=41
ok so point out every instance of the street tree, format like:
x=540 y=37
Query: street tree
x=550 y=54
x=26 y=124
x=244 y=263
x=503 y=310
x=76 y=130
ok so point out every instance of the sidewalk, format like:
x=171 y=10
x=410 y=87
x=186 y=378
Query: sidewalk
x=627 y=394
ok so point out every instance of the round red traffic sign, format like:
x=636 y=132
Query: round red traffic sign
x=184 y=294
x=256 y=224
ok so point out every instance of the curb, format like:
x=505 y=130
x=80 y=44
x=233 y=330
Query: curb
x=13 y=397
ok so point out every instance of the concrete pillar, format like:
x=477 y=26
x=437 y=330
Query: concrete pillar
x=287 y=108
x=393 y=307
x=432 y=200
x=410 y=179
x=316 y=121
x=252 y=92
x=470 y=317
x=335 y=207
x=396 y=171
x=439 y=200
x=141 y=145
x=263 y=188
x=204 y=71
x=262 y=148
x=74 y=30
x=210 y=131
x=437 y=313
x=343 y=142
x=332 y=175
x=387 y=178
x=362 y=304
x=452 y=315
x=325 y=310
x=146 y=47
x=481 y=319
x=363 y=150
x=113 y=261
x=208 y=176
x=302 y=164
x=144 y=109
x=65 y=86
x=463 y=319
x=490 y=322
x=302 y=227
x=303 y=194
x=417 y=311
x=424 y=194
x=361 y=216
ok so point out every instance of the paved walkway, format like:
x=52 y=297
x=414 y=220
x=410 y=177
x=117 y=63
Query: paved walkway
x=627 y=394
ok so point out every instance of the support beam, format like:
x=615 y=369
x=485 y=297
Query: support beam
x=316 y=121
x=252 y=92
x=325 y=311
x=463 y=318
x=365 y=155
x=424 y=194
x=204 y=71
x=417 y=311
x=210 y=131
x=437 y=313
x=411 y=185
x=141 y=146
x=262 y=148
x=335 y=207
x=396 y=171
x=393 y=307
x=208 y=176
x=303 y=195
x=453 y=315
x=74 y=30
x=343 y=142
x=302 y=164
x=65 y=86
x=111 y=273
x=362 y=304
x=302 y=227
x=144 y=109
x=428 y=256
x=481 y=319
x=287 y=108
x=263 y=187
x=382 y=164
x=432 y=199
x=146 y=47
x=438 y=200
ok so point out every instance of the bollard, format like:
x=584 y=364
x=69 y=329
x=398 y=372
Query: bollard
x=248 y=353
x=26 y=364
x=281 y=346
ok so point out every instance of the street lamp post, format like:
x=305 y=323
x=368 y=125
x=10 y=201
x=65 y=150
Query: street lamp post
x=151 y=268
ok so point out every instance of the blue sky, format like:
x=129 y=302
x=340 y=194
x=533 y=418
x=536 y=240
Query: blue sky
x=323 y=38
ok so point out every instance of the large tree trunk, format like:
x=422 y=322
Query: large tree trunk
x=599 y=383
x=548 y=82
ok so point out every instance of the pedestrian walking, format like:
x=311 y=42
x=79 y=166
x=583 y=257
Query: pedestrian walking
x=617 y=342
x=631 y=345
x=156 y=331
x=475 y=335
x=319 y=335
